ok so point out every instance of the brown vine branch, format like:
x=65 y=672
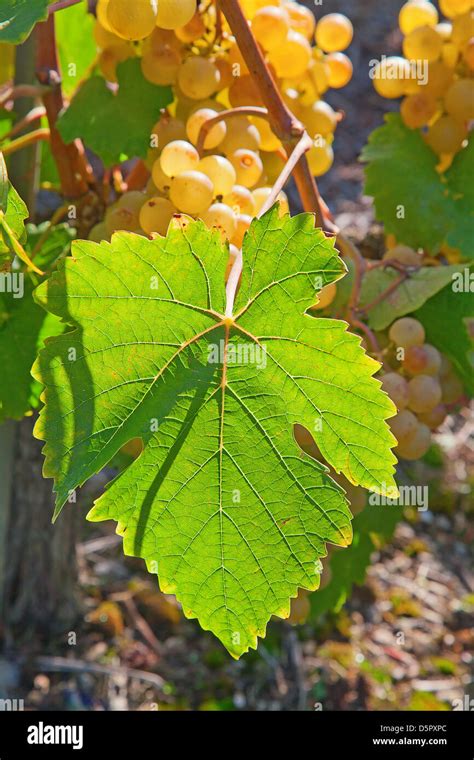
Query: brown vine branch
x=224 y=116
x=301 y=147
x=22 y=91
x=385 y=294
x=26 y=121
x=73 y=168
x=285 y=125
x=62 y=4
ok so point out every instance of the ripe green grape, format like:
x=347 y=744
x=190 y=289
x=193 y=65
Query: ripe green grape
x=220 y=216
x=446 y=135
x=422 y=360
x=397 y=388
x=334 y=33
x=221 y=173
x=215 y=135
x=198 y=78
x=404 y=255
x=403 y=425
x=417 y=445
x=175 y=13
x=270 y=26
x=452 y=388
x=417 y=13
x=418 y=110
x=435 y=417
x=407 y=332
x=320 y=157
x=156 y=214
x=99 y=233
x=424 y=393
x=191 y=192
x=248 y=167
x=177 y=157
x=340 y=70
x=459 y=100
x=292 y=57
x=241 y=200
x=132 y=21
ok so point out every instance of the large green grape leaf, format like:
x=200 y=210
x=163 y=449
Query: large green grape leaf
x=18 y=17
x=444 y=318
x=349 y=566
x=409 y=296
x=118 y=125
x=220 y=503
x=24 y=326
x=418 y=205
x=76 y=45
x=16 y=212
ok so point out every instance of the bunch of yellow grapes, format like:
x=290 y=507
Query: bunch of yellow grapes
x=225 y=180
x=436 y=76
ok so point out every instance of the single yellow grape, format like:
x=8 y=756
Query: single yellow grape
x=241 y=200
x=423 y=44
x=270 y=26
x=406 y=332
x=103 y=37
x=191 y=192
x=268 y=139
x=161 y=68
x=221 y=173
x=391 y=77
x=292 y=57
x=195 y=122
x=261 y=195
x=301 y=19
x=319 y=119
x=175 y=13
x=417 y=13
x=440 y=78
x=222 y=217
x=177 y=157
x=403 y=425
x=415 y=447
x=198 y=78
x=397 y=388
x=161 y=180
x=156 y=214
x=340 y=70
x=418 y=110
x=320 y=157
x=248 y=167
x=99 y=233
x=334 y=33
x=240 y=134
x=244 y=92
x=167 y=129
x=193 y=30
x=446 y=135
x=452 y=8
x=424 y=393
x=459 y=100
x=131 y=21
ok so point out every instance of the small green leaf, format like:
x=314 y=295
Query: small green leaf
x=18 y=17
x=221 y=503
x=349 y=567
x=419 y=206
x=444 y=318
x=24 y=326
x=76 y=45
x=114 y=125
x=15 y=215
x=409 y=296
